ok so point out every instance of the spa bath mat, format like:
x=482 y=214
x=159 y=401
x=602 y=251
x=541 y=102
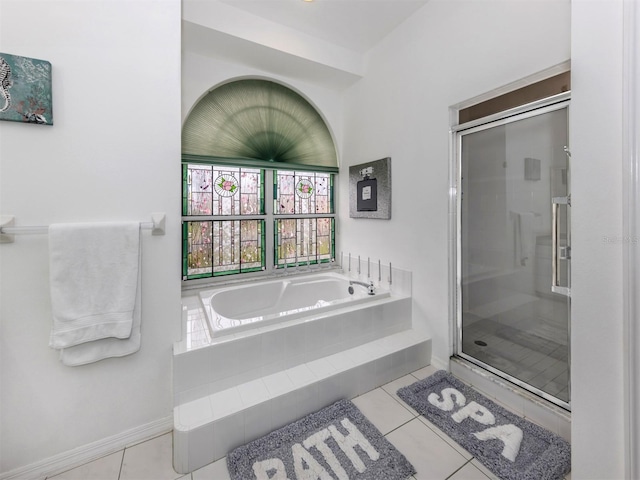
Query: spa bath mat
x=510 y=446
x=335 y=442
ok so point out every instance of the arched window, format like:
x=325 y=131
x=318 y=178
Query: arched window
x=258 y=163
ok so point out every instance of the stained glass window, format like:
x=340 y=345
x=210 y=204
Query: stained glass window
x=214 y=246
x=304 y=240
x=213 y=190
x=302 y=192
x=224 y=247
x=227 y=229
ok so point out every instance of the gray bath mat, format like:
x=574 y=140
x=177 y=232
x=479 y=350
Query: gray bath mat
x=335 y=442
x=510 y=446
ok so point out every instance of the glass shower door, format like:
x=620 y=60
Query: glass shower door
x=514 y=250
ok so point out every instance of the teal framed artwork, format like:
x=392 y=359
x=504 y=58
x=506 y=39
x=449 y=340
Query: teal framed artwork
x=25 y=90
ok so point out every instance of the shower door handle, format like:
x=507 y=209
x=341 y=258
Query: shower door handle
x=558 y=252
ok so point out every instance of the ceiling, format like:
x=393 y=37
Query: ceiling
x=353 y=24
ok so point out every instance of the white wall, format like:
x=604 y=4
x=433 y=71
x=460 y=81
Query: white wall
x=223 y=29
x=631 y=140
x=448 y=52
x=112 y=154
x=452 y=51
x=203 y=73
x=596 y=145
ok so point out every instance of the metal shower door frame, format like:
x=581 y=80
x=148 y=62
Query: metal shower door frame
x=540 y=107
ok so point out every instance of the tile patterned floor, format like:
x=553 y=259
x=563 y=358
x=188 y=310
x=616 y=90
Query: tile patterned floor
x=527 y=340
x=434 y=455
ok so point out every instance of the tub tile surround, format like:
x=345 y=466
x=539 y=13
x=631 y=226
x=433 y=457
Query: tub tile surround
x=229 y=416
x=231 y=389
x=251 y=355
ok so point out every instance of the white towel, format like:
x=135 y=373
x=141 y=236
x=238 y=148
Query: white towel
x=94 y=276
x=107 y=347
x=524 y=240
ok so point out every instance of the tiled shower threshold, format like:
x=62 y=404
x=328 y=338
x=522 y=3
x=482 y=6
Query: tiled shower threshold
x=516 y=399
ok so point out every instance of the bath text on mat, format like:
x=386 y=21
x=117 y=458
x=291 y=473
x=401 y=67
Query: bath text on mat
x=308 y=468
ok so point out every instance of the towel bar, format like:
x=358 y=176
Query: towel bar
x=8 y=229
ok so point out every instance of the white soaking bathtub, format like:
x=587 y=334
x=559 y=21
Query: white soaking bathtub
x=241 y=307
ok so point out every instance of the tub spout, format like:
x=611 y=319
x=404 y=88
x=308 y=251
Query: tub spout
x=369 y=286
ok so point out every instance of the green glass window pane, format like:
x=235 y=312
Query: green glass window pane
x=284 y=193
x=199 y=248
x=304 y=240
x=185 y=249
x=307 y=238
x=251 y=256
x=331 y=200
x=322 y=205
x=224 y=247
x=302 y=193
x=226 y=191
x=324 y=236
x=286 y=247
x=185 y=195
x=251 y=188
x=213 y=190
x=323 y=193
x=238 y=246
x=199 y=190
x=324 y=227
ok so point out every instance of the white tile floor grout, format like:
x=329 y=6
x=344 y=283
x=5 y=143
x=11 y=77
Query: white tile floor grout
x=432 y=453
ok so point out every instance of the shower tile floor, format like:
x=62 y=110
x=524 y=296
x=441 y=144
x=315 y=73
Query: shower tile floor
x=524 y=336
x=434 y=455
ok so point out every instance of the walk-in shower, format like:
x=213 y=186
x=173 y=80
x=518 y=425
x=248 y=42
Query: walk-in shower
x=512 y=235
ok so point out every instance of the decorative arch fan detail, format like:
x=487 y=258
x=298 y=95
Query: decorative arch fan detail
x=255 y=121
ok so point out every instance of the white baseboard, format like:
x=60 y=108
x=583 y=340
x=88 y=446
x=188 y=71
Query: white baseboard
x=440 y=364
x=87 y=453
